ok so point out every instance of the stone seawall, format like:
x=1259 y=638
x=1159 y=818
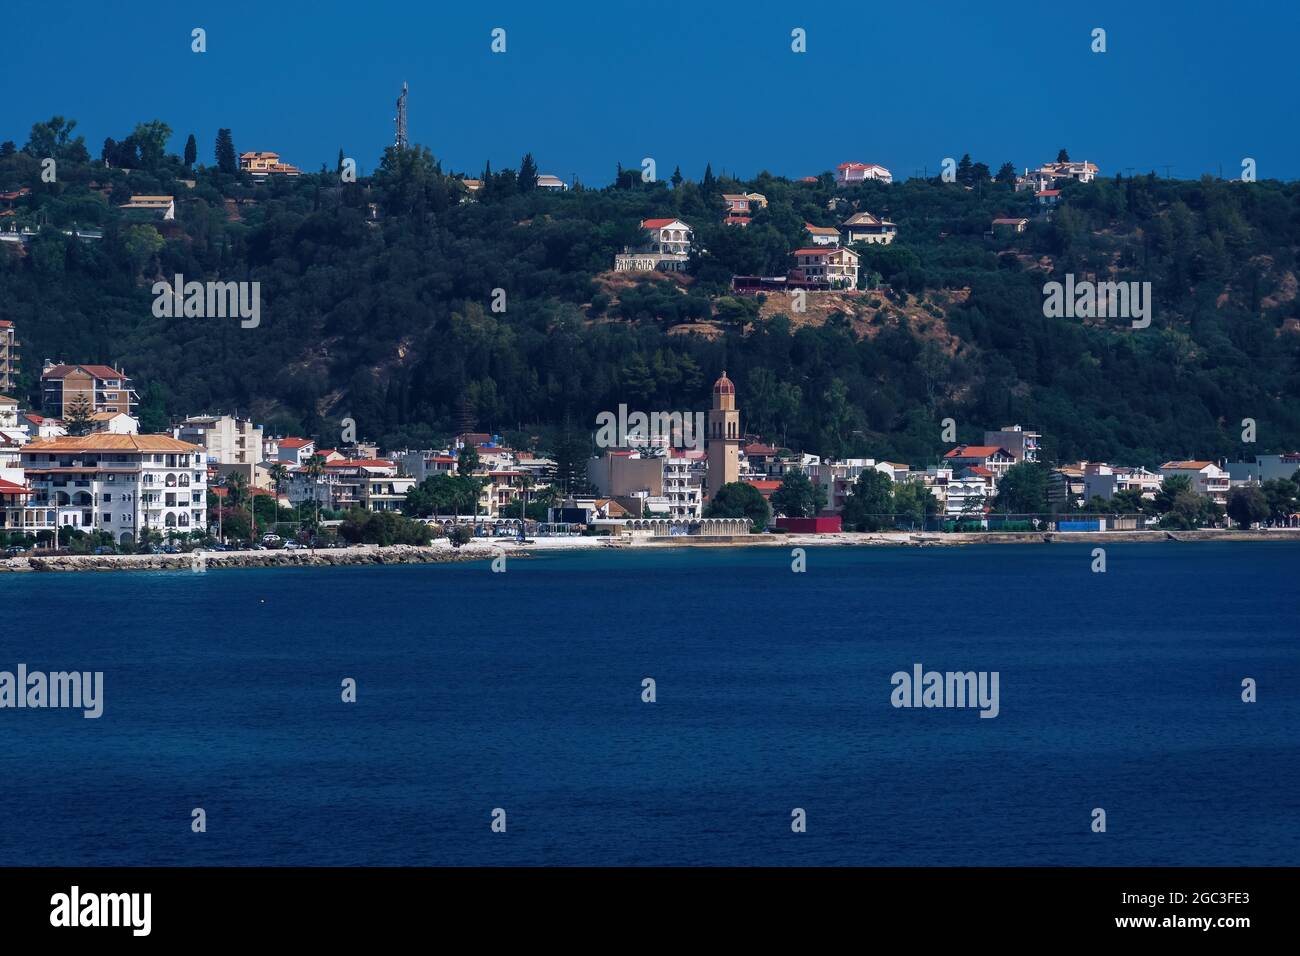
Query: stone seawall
x=328 y=558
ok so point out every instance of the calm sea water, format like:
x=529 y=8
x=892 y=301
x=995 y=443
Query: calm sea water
x=523 y=691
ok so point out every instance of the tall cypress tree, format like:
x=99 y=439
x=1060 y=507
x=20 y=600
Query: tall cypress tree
x=191 y=152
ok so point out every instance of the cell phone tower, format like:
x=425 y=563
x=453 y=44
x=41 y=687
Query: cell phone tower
x=401 y=142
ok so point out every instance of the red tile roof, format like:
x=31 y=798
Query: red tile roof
x=99 y=371
x=658 y=223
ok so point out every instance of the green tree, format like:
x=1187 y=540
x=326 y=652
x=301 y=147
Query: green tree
x=798 y=497
x=78 y=415
x=1022 y=490
x=1247 y=505
x=1281 y=495
x=191 y=152
x=1170 y=489
x=527 y=174
x=737 y=499
x=151 y=138
x=914 y=503
x=870 y=507
x=227 y=160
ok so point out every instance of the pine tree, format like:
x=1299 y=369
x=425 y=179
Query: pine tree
x=227 y=161
x=708 y=182
x=527 y=173
x=1063 y=156
x=191 y=152
x=339 y=167
x=677 y=176
x=78 y=415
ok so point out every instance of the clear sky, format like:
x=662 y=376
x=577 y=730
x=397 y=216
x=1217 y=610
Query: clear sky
x=1195 y=86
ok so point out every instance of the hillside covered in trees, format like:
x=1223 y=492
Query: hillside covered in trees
x=377 y=302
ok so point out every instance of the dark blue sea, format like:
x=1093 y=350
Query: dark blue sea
x=523 y=691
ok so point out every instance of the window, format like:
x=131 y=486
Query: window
x=108 y=518
x=108 y=497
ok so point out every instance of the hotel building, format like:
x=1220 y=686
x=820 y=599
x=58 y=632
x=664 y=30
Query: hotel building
x=122 y=484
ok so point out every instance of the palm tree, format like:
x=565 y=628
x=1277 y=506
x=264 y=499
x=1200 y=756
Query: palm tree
x=278 y=473
x=315 y=467
x=237 y=488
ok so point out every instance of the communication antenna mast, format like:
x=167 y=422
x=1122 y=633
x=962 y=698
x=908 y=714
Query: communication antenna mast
x=401 y=141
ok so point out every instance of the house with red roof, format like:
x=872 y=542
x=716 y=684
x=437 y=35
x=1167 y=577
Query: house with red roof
x=104 y=388
x=667 y=248
x=993 y=458
x=854 y=174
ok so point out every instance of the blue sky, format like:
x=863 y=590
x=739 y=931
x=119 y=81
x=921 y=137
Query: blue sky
x=584 y=85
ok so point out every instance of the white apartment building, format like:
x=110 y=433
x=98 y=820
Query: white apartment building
x=965 y=499
x=226 y=439
x=122 y=484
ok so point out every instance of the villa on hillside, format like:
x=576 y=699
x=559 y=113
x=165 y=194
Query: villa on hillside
x=1046 y=176
x=266 y=164
x=822 y=235
x=552 y=183
x=834 y=265
x=163 y=206
x=667 y=248
x=864 y=227
x=854 y=174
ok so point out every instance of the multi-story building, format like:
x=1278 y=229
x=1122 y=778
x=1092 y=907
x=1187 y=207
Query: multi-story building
x=672 y=476
x=1101 y=480
x=8 y=412
x=831 y=264
x=1264 y=468
x=122 y=484
x=291 y=451
x=17 y=514
x=228 y=440
x=372 y=484
x=1208 y=479
x=1023 y=445
x=993 y=457
x=854 y=174
x=667 y=248
x=837 y=478
x=9 y=358
x=105 y=389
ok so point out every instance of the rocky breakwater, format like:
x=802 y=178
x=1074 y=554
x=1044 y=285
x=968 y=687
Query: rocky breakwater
x=216 y=560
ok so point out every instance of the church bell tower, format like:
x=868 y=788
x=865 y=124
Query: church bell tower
x=723 y=441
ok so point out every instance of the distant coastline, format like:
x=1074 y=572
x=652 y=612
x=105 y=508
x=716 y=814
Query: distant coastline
x=443 y=553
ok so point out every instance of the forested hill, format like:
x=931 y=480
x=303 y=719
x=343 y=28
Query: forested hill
x=377 y=294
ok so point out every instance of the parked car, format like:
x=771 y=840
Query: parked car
x=293 y=546
x=170 y=549
x=14 y=550
x=270 y=538
x=106 y=549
